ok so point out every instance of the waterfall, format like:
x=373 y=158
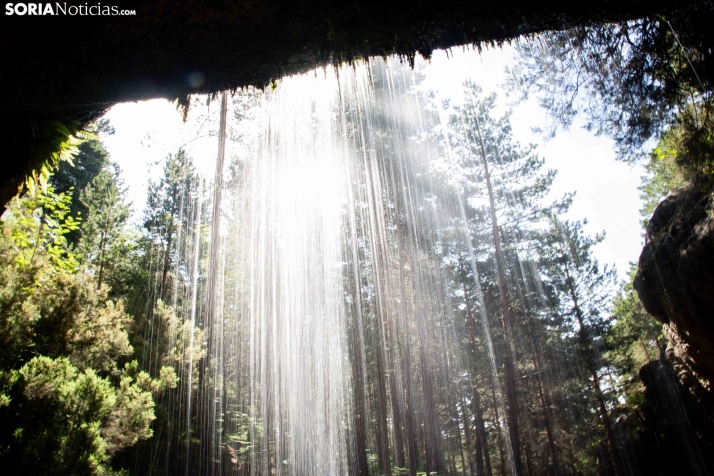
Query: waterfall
x=332 y=223
x=341 y=305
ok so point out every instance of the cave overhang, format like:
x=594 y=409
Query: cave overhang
x=69 y=69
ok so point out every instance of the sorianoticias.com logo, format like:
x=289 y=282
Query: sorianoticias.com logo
x=62 y=9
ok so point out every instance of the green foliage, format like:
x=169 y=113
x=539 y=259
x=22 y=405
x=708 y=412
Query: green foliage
x=40 y=222
x=65 y=404
x=105 y=241
x=164 y=196
x=584 y=288
x=165 y=217
x=51 y=142
x=55 y=394
x=664 y=173
x=46 y=306
x=580 y=293
x=243 y=423
x=174 y=348
x=90 y=417
x=150 y=277
x=632 y=81
x=73 y=176
x=516 y=172
x=634 y=340
x=84 y=385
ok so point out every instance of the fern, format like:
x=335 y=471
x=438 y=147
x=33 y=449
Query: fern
x=52 y=143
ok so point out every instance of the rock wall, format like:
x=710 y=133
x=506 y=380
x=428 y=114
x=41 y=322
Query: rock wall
x=668 y=433
x=675 y=282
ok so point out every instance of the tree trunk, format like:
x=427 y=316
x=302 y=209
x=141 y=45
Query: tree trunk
x=385 y=466
x=216 y=217
x=394 y=397
x=194 y=289
x=529 y=461
x=408 y=398
x=383 y=459
x=213 y=394
x=510 y=354
x=101 y=262
x=167 y=257
x=360 y=466
x=544 y=398
x=590 y=362
x=461 y=445
x=499 y=431
x=545 y=405
x=482 y=455
x=467 y=431
x=434 y=459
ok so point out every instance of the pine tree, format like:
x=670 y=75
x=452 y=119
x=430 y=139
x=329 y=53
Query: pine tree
x=631 y=80
x=70 y=398
x=584 y=291
x=104 y=241
x=503 y=184
x=166 y=212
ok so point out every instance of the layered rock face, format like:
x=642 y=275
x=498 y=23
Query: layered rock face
x=676 y=284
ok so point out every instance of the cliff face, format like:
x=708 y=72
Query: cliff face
x=676 y=284
x=69 y=69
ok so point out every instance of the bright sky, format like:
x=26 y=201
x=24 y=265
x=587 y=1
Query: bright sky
x=607 y=194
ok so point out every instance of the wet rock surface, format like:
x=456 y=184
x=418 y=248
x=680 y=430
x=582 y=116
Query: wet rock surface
x=676 y=284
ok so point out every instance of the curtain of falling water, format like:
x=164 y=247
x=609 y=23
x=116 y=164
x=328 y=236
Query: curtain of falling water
x=337 y=347
x=299 y=383
x=336 y=302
